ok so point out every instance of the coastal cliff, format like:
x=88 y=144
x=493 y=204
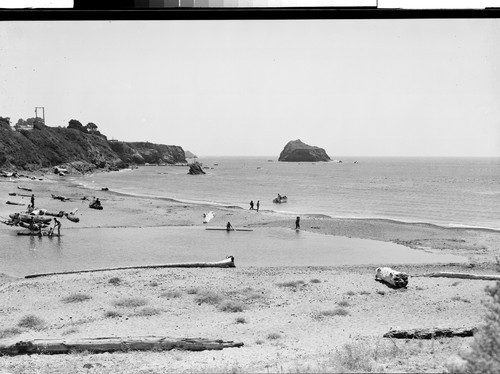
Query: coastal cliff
x=297 y=151
x=148 y=153
x=41 y=146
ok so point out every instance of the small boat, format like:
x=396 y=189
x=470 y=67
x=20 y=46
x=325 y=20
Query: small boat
x=279 y=200
x=27 y=218
x=24 y=188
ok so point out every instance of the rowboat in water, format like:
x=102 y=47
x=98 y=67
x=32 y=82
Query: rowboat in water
x=281 y=199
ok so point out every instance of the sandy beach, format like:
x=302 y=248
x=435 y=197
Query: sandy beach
x=296 y=319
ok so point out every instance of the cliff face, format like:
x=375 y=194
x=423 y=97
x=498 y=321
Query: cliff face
x=297 y=151
x=44 y=147
x=145 y=152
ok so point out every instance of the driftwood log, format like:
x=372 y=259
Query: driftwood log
x=18 y=194
x=393 y=278
x=445 y=274
x=114 y=344
x=227 y=263
x=430 y=333
x=13 y=203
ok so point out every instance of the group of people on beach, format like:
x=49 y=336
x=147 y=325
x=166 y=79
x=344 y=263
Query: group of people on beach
x=257 y=205
x=37 y=227
x=95 y=203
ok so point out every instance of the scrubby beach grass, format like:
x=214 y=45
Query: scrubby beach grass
x=8 y=332
x=31 y=321
x=130 y=302
x=292 y=284
x=76 y=298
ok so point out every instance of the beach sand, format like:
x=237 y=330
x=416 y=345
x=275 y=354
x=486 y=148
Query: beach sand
x=296 y=319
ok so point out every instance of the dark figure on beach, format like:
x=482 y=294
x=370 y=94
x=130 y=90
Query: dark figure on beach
x=279 y=197
x=297 y=223
x=32 y=223
x=251 y=205
x=57 y=224
x=95 y=203
x=258 y=205
x=33 y=200
x=229 y=227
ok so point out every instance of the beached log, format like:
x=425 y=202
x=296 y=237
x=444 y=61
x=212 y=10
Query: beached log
x=225 y=229
x=227 y=263
x=24 y=188
x=60 y=214
x=59 y=197
x=13 y=203
x=18 y=194
x=431 y=333
x=391 y=277
x=114 y=344
x=445 y=274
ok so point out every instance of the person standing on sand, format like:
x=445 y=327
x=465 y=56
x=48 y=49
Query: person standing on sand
x=251 y=205
x=229 y=227
x=33 y=200
x=297 y=223
x=258 y=205
x=57 y=224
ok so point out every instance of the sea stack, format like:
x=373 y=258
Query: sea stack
x=297 y=151
x=195 y=168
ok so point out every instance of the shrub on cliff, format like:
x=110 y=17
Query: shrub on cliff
x=484 y=356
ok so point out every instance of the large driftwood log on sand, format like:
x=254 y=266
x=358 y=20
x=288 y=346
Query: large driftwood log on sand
x=392 y=278
x=227 y=263
x=445 y=274
x=113 y=344
x=430 y=333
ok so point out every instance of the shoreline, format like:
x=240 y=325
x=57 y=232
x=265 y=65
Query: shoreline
x=215 y=205
x=290 y=319
x=134 y=210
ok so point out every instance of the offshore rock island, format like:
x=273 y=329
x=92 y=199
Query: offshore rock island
x=297 y=151
x=31 y=145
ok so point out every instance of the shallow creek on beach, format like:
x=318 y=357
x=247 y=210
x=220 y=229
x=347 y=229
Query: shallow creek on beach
x=97 y=248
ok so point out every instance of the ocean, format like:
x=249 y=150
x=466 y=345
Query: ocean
x=456 y=192
x=445 y=192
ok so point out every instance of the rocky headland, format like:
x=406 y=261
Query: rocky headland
x=77 y=148
x=297 y=151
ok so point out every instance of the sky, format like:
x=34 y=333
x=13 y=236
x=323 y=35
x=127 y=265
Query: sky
x=417 y=87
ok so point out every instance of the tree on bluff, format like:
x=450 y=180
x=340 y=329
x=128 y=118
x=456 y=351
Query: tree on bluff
x=77 y=125
x=91 y=128
x=29 y=123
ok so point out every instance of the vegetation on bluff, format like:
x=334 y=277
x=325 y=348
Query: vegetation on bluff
x=32 y=145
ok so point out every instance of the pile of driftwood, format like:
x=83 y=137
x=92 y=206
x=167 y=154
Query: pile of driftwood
x=113 y=344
